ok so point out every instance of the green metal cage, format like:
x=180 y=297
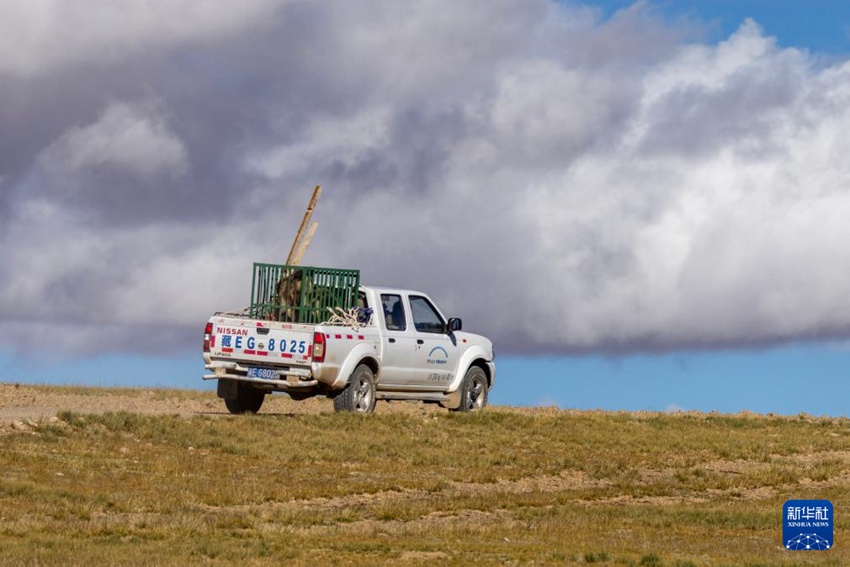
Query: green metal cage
x=301 y=294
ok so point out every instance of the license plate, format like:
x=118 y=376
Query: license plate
x=267 y=373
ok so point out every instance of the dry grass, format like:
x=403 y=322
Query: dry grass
x=505 y=487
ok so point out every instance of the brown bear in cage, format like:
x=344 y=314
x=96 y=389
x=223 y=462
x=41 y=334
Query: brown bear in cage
x=288 y=296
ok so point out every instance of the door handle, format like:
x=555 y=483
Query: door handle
x=392 y=340
x=420 y=342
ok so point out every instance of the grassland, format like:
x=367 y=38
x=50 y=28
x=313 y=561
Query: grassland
x=503 y=487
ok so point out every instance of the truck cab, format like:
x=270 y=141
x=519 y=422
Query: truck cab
x=424 y=353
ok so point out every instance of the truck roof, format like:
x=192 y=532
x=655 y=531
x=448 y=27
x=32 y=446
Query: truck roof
x=392 y=290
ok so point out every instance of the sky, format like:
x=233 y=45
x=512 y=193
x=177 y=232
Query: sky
x=642 y=204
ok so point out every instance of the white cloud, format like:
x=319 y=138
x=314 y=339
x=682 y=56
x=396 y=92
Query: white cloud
x=134 y=138
x=90 y=290
x=728 y=239
x=544 y=111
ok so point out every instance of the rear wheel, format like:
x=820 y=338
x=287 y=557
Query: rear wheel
x=473 y=391
x=359 y=395
x=248 y=399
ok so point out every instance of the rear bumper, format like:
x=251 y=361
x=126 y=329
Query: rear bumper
x=283 y=386
x=288 y=380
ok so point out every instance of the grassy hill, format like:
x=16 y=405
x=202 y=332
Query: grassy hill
x=507 y=486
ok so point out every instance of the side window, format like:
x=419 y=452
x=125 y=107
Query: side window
x=393 y=312
x=364 y=312
x=425 y=317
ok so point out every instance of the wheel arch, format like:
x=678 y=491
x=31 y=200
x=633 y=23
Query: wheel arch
x=371 y=362
x=361 y=354
x=474 y=356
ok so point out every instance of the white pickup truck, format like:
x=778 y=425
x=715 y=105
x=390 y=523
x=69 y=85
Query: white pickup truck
x=398 y=346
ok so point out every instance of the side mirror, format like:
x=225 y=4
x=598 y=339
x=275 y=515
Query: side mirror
x=454 y=324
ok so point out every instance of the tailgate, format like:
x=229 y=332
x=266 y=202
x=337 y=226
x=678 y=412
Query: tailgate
x=262 y=343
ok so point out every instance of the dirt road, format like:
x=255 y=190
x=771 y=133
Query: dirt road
x=22 y=403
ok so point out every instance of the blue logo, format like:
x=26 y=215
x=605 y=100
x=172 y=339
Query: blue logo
x=438 y=355
x=807 y=525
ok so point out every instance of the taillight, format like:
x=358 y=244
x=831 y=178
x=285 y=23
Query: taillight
x=318 y=347
x=207 y=333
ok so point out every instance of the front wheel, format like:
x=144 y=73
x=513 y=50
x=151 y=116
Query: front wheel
x=359 y=395
x=473 y=391
x=248 y=399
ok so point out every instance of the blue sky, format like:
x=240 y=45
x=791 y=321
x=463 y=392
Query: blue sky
x=145 y=182
x=820 y=25
x=789 y=380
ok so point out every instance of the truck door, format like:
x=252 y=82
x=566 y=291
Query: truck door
x=438 y=353
x=398 y=345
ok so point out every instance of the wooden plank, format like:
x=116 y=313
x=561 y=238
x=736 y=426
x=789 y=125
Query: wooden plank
x=302 y=248
x=308 y=214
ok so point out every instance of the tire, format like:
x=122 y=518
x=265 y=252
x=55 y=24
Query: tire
x=359 y=395
x=473 y=391
x=248 y=399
